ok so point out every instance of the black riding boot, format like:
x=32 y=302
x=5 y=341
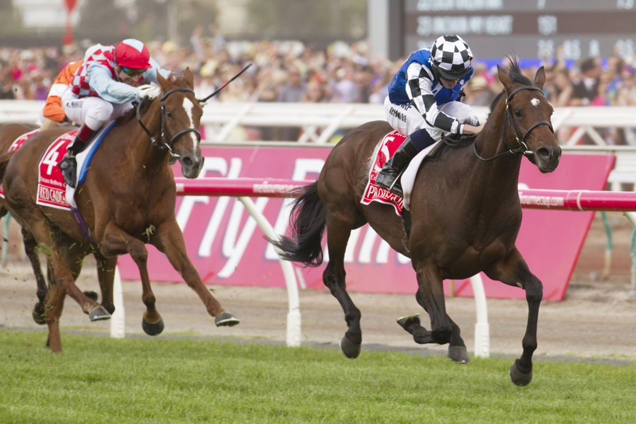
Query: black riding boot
x=68 y=165
x=393 y=168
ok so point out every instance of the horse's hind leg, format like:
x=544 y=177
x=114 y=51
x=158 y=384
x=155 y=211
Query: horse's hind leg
x=334 y=278
x=514 y=272
x=30 y=246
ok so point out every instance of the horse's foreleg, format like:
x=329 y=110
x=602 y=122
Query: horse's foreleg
x=514 y=272
x=114 y=241
x=457 y=351
x=430 y=296
x=106 y=277
x=169 y=240
x=334 y=279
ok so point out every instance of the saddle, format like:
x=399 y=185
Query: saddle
x=453 y=140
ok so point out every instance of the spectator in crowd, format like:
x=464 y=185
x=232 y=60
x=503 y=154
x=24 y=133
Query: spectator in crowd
x=478 y=93
x=339 y=73
x=291 y=92
x=585 y=88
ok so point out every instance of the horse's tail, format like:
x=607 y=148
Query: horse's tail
x=4 y=161
x=308 y=223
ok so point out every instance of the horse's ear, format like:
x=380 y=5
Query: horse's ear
x=163 y=83
x=505 y=80
x=189 y=77
x=539 y=78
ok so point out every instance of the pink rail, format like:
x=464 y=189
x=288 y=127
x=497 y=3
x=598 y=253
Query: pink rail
x=574 y=200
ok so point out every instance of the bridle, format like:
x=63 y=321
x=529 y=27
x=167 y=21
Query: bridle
x=509 y=119
x=161 y=143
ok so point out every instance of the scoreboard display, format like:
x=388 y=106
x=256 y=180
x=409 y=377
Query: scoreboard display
x=544 y=29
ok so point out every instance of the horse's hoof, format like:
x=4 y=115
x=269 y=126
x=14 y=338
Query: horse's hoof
x=226 y=319
x=153 y=329
x=518 y=377
x=99 y=314
x=408 y=321
x=350 y=349
x=458 y=354
x=91 y=295
x=38 y=314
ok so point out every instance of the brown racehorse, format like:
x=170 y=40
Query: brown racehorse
x=465 y=214
x=128 y=199
x=105 y=266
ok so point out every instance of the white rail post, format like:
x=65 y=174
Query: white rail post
x=482 y=328
x=293 y=316
x=118 y=319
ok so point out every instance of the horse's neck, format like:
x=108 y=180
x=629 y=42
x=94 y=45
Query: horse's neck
x=499 y=175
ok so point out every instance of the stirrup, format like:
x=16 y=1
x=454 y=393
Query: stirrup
x=68 y=166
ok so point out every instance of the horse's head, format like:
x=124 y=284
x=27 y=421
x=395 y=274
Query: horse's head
x=180 y=122
x=528 y=117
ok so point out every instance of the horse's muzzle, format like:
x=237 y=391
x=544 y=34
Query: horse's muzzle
x=546 y=158
x=191 y=166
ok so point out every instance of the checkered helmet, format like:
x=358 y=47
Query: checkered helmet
x=450 y=57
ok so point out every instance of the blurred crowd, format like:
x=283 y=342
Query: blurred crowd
x=341 y=73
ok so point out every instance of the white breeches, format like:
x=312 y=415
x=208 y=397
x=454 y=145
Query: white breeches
x=92 y=111
x=406 y=119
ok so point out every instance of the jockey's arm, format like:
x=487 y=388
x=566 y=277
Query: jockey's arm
x=151 y=73
x=419 y=88
x=100 y=80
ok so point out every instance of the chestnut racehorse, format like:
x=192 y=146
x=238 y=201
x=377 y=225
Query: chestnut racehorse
x=127 y=200
x=465 y=215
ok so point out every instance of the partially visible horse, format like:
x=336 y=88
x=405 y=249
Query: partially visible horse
x=8 y=134
x=464 y=208
x=128 y=199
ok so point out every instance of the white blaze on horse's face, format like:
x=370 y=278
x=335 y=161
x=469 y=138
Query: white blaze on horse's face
x=535 y=102
x=187 y=106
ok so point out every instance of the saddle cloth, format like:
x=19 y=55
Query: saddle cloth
x=15 y=146
x=383 y=151
x=52 y=190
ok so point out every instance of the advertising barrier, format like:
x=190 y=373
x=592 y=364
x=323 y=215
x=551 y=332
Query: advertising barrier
x=227 y=248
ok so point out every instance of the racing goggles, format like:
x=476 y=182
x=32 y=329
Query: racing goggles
x=132 y=72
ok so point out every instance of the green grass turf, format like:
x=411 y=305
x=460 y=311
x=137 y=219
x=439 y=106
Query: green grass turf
x=160 y=380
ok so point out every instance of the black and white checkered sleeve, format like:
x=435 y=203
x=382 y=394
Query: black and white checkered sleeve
x=419 y=88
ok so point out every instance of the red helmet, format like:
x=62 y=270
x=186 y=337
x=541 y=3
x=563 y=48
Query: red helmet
x=132 y=53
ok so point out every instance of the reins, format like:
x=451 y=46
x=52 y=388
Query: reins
x=523 y=147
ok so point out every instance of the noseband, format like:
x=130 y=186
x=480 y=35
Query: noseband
x=160 y=143
x=523 y=147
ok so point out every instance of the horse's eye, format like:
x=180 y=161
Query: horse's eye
x=169 y=114
x=518 y=113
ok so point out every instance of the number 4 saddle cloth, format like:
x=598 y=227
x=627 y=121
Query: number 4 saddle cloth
x=52 y=190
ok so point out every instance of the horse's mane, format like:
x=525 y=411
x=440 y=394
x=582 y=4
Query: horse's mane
x=514 y=73
x=176 y=79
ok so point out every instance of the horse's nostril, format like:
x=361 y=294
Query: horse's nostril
x=543 y=153
x=186 y=161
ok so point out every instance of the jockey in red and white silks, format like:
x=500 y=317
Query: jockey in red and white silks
x=103 y=89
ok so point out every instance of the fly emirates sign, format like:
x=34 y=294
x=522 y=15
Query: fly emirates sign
x=227 y=246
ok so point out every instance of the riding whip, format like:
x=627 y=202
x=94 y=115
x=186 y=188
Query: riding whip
x=225 y=85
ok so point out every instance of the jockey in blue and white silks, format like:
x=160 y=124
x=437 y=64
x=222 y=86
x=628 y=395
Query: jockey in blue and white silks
x=423 y=102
